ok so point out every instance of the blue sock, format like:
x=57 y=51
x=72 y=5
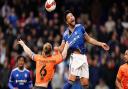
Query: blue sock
x=68 y=85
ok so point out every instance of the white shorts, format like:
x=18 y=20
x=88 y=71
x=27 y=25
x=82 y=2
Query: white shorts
x=78 y=65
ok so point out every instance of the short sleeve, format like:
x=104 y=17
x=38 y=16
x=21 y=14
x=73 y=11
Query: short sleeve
x=29 y=81
x=11 y=79
x=83 y=30
x=35 y=57
x=119 y=74
x=58 y=57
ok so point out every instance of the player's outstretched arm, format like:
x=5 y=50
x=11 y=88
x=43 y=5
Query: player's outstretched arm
x=64 y=52
x=61 y=47
x=118 y=84
x=95 y=42
x=26 y=48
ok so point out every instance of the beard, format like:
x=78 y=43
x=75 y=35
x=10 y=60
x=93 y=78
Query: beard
x=73 y=24
x=21 y=67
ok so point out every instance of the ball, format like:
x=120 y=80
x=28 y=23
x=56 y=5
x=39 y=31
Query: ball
x=50 y=5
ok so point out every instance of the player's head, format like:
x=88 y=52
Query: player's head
x=126 y=56
x=47 y=49
x=21 y=61
x=69 y=18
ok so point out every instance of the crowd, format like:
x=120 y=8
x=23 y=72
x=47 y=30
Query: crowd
x=105 y=20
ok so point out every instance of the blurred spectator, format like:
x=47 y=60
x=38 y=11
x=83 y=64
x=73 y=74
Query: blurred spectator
x=94 y=72
x=103 y=34
x=5 y=74
x=13 y=18
x=3 y=49
x=22 y=20
x=101 y=85
x=5 y=10
x=108 y=73
x=110 y=24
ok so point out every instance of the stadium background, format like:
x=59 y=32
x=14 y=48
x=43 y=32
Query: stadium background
x=102 y=18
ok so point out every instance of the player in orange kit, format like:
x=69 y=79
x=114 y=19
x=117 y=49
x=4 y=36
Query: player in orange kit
x=45 y=63
x=122 y=76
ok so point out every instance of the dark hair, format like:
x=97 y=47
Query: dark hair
x=18 y=58
x=65 y=14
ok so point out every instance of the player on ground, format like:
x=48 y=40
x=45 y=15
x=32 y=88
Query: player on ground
x=45 y=63
x=122 y=76
x=76 y=35
x=20 y=76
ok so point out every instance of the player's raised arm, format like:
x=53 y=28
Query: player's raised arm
x=61 y=47
x=61 y=56
x=26 y=48
x=64 y=52
x=95 y=42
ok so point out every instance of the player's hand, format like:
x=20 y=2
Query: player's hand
x=56 y=48
x=105 y=46
x=67 y=45
x=20 y=42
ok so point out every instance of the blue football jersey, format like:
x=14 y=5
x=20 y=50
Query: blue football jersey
x=76 y=39
x=20 y=79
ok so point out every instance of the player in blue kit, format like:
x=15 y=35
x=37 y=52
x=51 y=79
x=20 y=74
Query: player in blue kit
x=76 y=36
x=20 y=76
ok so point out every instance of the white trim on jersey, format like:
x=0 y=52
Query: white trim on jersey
x=20 y=70
x=33 y=54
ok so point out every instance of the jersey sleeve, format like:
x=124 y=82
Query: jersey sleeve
x=11 y=81
x=119 y=74
x=35 y=57
x=64 y=36
x=58 y=57
x=29 y=81
x=83 y=29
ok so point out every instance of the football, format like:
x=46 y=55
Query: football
x=50 y=5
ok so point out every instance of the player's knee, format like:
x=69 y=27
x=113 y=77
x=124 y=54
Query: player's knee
x=85 y=82
x=72 y=78
x=71 y=82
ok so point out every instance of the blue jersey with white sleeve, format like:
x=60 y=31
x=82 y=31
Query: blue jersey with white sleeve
x=76 y=39
x=20 y=79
